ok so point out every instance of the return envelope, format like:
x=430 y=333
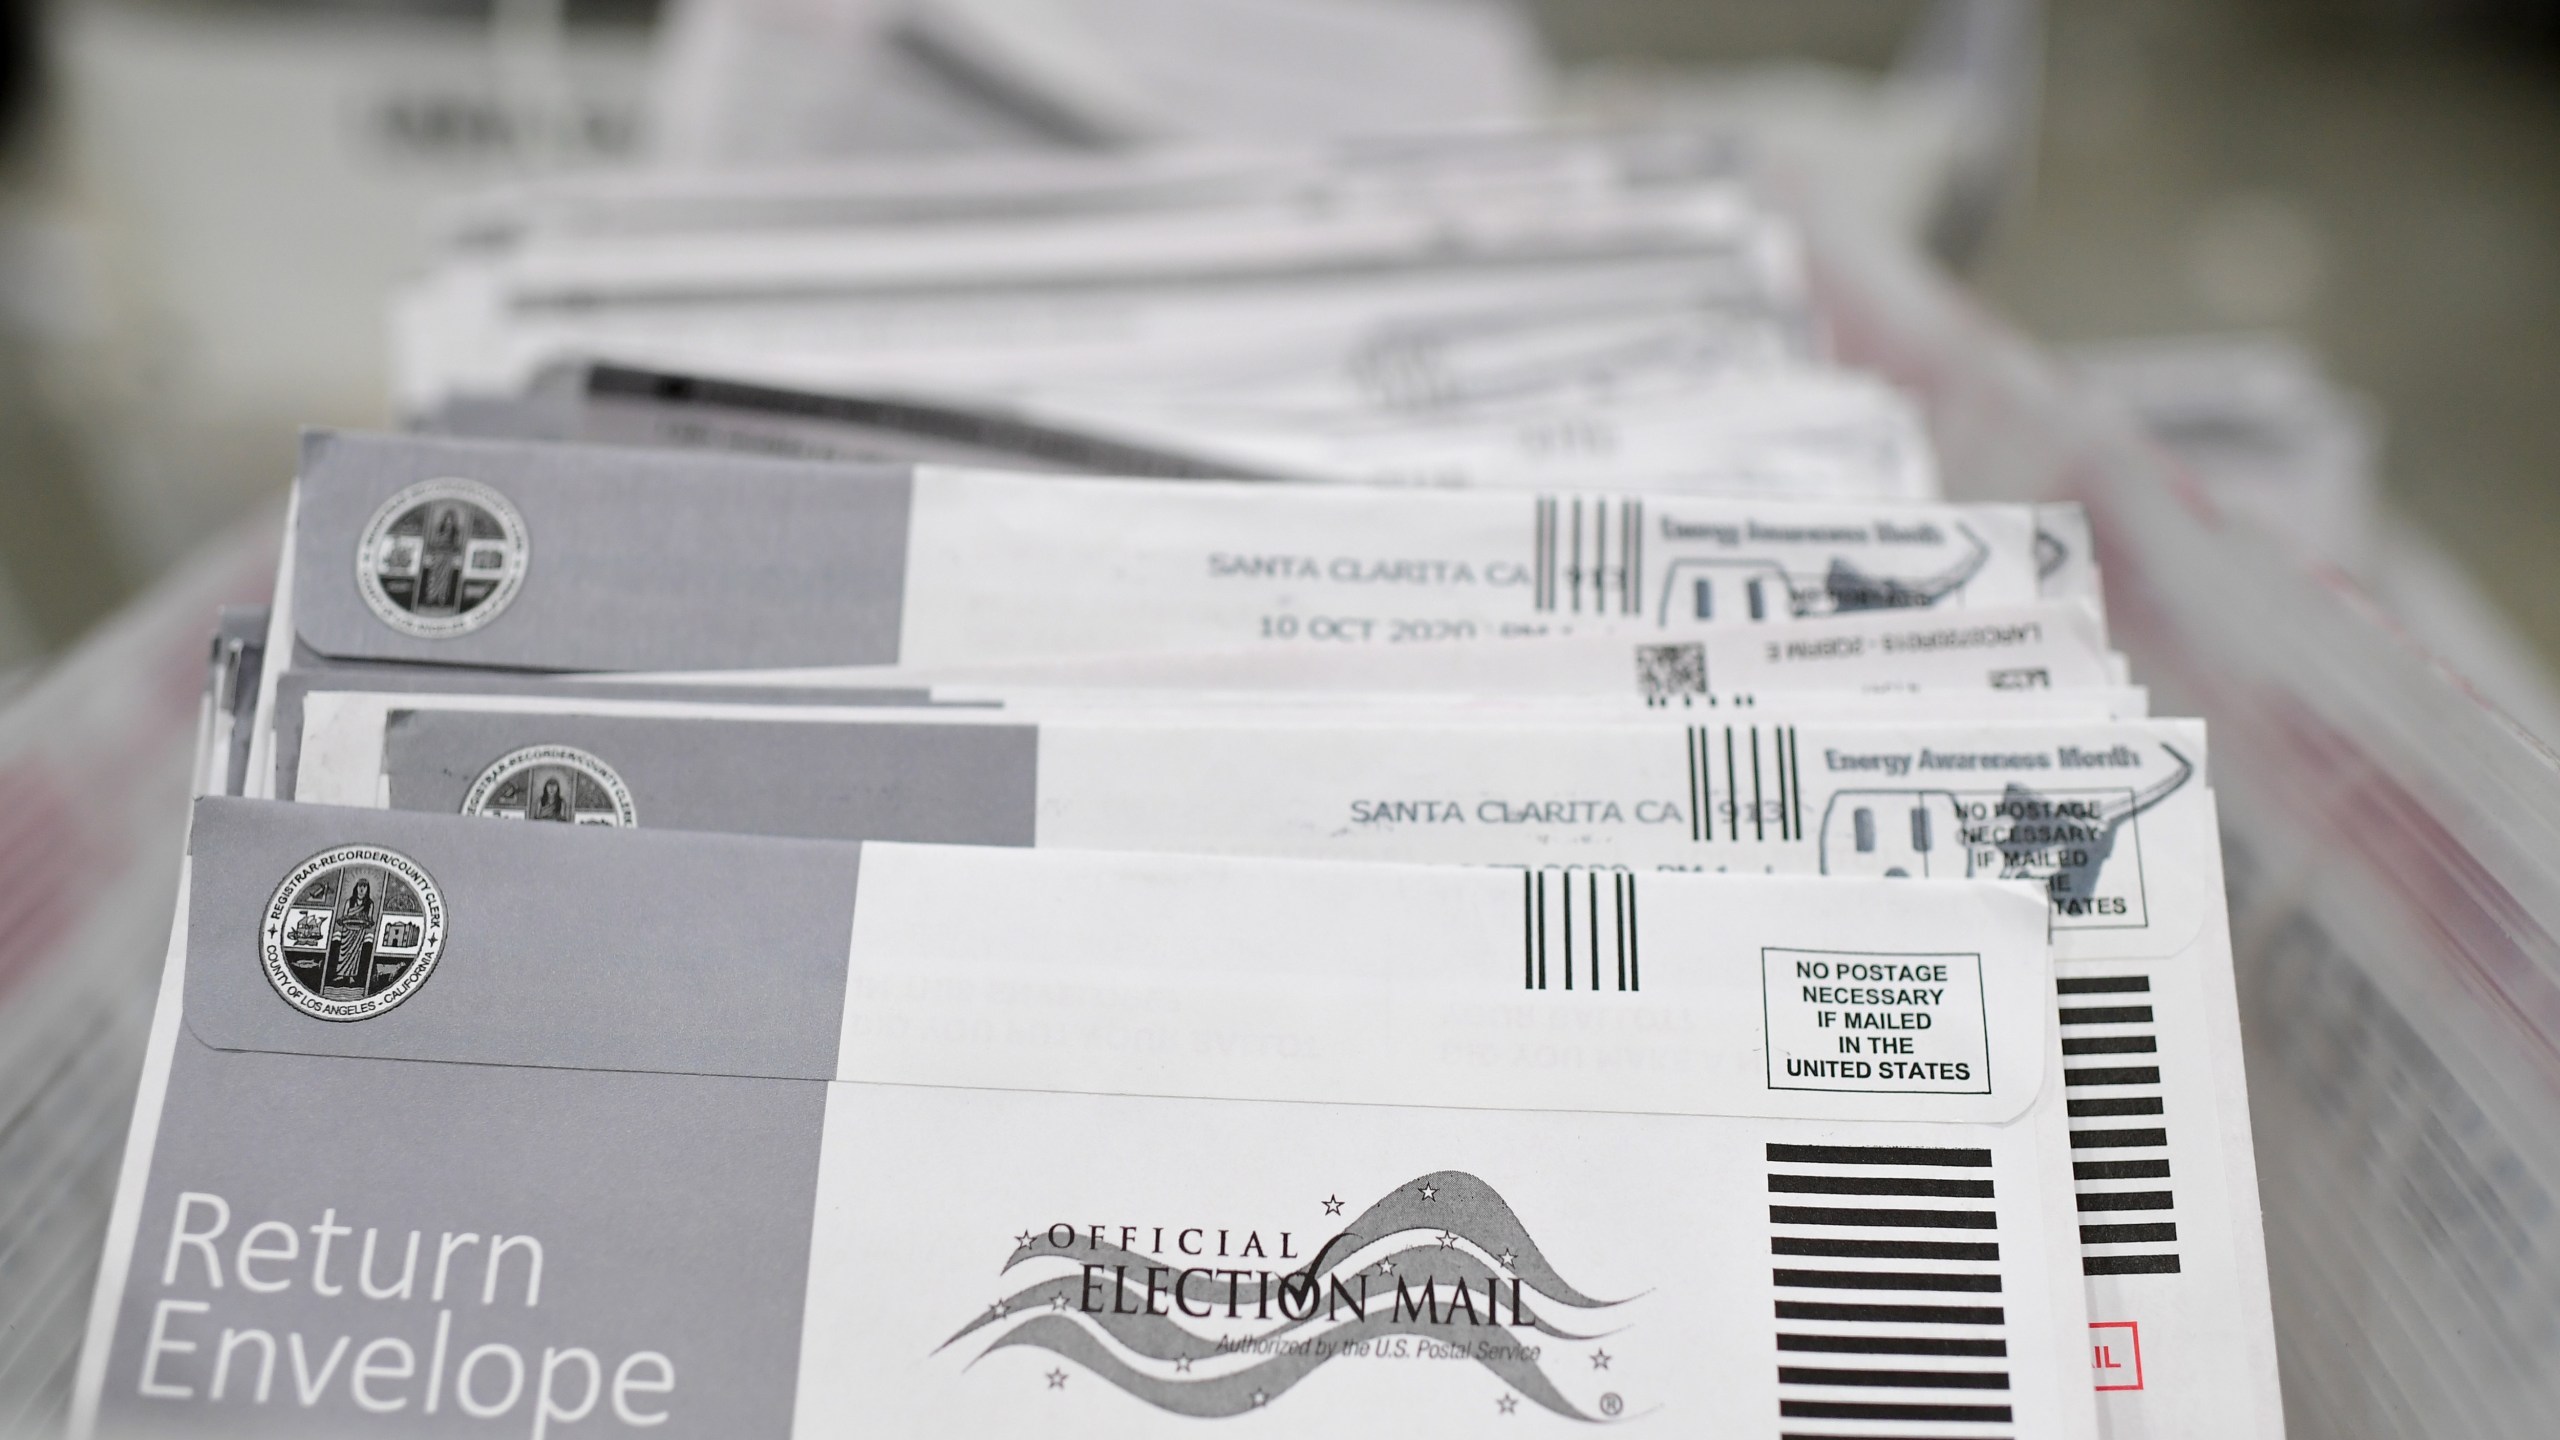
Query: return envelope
x=454 y=1127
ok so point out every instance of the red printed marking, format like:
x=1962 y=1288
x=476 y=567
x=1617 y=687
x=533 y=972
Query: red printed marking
x=2115 y=1354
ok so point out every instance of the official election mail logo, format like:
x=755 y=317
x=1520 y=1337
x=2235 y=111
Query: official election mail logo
x=1208 y=1320
x=442 y=558
x=352 y=932
x=558 y=783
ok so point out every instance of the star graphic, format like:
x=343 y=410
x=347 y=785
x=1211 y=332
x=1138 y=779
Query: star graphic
x=1182 y=1364
x=1333 y=1205
x=1057 y=1302
x=1057 y=1379
x=1599 y=1359
x=996 y=1311
x=1022 y=1241
x=1386 y=1267
x=1430 y=1192
x=1259 y=1397
x=1506 y=1257
x=1448 y=1241
x=1507 y=1404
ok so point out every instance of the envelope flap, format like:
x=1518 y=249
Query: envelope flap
x=959 y=783
x=464 y=552
x=322 y=931
x=1449 y=986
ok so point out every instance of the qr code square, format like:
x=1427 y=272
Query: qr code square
x=1664 y=671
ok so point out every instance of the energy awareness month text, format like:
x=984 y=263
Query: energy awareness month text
x=193 y=1354
x=1373 y=569
x=2012 y=824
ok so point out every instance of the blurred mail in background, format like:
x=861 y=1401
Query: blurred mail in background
x=207 y=201
x=1344 y=295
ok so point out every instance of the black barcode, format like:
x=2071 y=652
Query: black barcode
x=1588 y=556
x=1885 y=1264
x=1578 y=930
x=1758 y=777
x=2119 y=1131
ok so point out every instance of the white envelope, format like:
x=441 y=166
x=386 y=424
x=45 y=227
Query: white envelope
x=1437 y=167
x=1696 y=403
x=526 y=556
x=350 y=731
x=2042 y=661
x=723 y=1136
x=574 y=558
x=1996 y=652
x=2113 y=819
x=1124 y=293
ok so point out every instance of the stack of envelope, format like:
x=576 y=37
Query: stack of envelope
x=1088 y=795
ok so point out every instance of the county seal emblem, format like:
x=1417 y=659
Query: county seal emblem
x=352 y=932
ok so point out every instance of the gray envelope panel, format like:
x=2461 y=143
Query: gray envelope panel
x=969 y=784
x=657 y=1201
x=654 y=1200
x=622 y=950
x=294 y=685
x=639 y=560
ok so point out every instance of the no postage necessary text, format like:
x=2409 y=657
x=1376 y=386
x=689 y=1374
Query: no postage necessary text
x=1904 y=1022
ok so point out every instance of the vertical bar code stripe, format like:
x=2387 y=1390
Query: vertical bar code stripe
x=1598 y=564
x=1600 y=577
x=1778 y=747
x=1547 y=552
x=1566 y=886
x=1631 y=583
x=1692 y=742
x=1732 y=792
x=1795 y=776
x=1599 y=555
x=1635 y=974
x=1540 y=883
x=1538 y=557
x=1591 y=904
x=1618 y=903
x=1707 y=781
x=1759 y=812
x=1785 y=793
x=1619 y=930
x=1573 y=572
